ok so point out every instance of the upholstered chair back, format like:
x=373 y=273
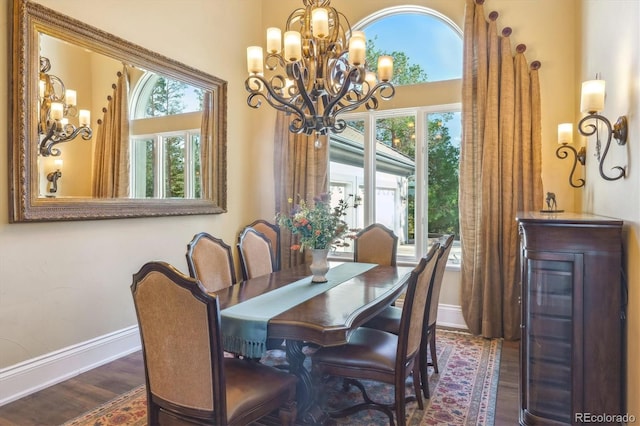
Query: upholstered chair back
x=255 y=254
x=210 y=261
x=443 y=255
x=413 y=309
x=376 y=244
x=272 y=232
x=180 y=340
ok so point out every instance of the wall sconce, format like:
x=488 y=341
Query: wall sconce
x=56 y=104
x=565 y=138
x=591 y=102
x=53 y=178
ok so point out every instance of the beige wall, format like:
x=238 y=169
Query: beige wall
x=64 y=283
x=68 y=282
x=610 y=45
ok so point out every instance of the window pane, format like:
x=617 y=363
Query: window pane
x=395 y=174
x=195 y=170
x=346 y=171
x=169 y=97
x=432 y=53
x=143 y=170
x=444 y=135
x=174 y=167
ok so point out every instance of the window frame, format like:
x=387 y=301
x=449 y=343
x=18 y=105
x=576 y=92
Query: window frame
x=159 y=140
x=369 y=119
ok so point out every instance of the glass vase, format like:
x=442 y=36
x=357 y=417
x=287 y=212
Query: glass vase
x=319 y=265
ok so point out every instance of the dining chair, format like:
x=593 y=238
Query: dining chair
x=255 y=251
x=378 y=355
x=272 y=232
x=390 y=319
x=186 y=373
x=375 y=244
x=210 y=261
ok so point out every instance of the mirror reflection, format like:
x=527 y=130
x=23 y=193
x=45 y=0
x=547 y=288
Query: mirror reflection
x=104 y=128
x=144 y=141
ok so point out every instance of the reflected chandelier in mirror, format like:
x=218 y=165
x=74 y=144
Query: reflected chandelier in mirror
x=56 y=105
x=156 y=145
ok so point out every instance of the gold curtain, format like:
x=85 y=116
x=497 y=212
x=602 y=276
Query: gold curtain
x=111 y=155
x=206 y=132
x=301 y=169
x=500 y=171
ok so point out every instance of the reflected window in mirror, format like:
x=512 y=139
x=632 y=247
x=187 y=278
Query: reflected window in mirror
x=166 y=126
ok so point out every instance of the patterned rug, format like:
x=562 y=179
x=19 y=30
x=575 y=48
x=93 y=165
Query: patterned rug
x=463 y=393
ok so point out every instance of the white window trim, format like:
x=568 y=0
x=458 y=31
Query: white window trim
x=370 y=118
x=159 y=190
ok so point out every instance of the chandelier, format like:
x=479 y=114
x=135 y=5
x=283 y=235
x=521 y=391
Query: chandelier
x=320 y=73
x=57 y=103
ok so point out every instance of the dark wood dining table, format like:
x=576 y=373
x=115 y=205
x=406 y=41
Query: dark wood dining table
x=326 y=319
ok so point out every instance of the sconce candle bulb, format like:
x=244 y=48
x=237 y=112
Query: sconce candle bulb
x=592 y=96
x=565 y=133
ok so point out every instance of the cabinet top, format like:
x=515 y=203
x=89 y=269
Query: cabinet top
x=566 y=218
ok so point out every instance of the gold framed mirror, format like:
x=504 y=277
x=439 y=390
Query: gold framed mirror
x=103 y=128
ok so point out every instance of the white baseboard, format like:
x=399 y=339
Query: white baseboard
x=451 y=316
x=30 y=376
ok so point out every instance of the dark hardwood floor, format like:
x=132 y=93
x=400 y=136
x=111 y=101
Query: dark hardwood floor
x=69 y=399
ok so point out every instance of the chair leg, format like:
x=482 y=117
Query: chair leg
x=432 y=347
x=423 y=366
x=417 y=381
x=153 y=412
x=288 y=413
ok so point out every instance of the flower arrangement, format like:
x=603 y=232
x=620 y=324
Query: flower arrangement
x=319 y=225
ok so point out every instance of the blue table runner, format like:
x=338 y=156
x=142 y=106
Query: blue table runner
x=244 y=326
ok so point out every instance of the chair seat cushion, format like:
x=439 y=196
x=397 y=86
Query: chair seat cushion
x=251 y=385
x=387 y=320
x=367 y=352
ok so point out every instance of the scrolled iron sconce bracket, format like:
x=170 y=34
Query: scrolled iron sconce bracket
x=578 y=156
x=618 y=131
x=53 y=178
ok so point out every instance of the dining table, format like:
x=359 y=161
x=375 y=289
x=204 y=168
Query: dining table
x=286 y=305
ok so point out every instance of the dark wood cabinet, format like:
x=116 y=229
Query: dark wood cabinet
x=573 y=309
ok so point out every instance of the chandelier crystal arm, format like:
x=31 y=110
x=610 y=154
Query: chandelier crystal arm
x=58 y=133
x=273 y=98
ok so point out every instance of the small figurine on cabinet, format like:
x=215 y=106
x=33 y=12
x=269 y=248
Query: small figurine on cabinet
x=552 y=205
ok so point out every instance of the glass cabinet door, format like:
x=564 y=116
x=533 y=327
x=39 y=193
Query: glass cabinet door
x=552 y=337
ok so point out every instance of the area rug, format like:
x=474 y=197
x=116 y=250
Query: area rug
x=463 y=393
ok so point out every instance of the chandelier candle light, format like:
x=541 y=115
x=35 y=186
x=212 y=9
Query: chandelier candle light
x=319 y=73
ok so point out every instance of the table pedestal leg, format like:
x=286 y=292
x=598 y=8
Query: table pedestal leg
x=308 y=410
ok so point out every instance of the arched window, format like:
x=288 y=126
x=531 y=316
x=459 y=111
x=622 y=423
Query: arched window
x=166 y=116
x=399 y=167
x=434 y=44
